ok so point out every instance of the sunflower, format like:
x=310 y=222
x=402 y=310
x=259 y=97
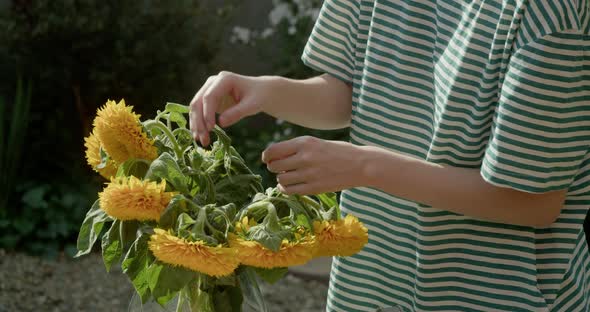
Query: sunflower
x=120 y=132
x=196 y=256
x=92 y=145
x=343 y=237
x=129 y=198
x=252 y=253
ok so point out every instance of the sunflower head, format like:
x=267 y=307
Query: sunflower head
x=129 y=198
x=93 y=158
x=252 y=253
x=197 y=256
x=120 y=132
x=343 y=237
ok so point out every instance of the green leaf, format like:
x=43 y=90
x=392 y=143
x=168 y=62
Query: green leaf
x=35 y=196
x=302 y=220
x=295 y=206
x=184 y=138
x=128 y=232
x=206 y=194
x=251 y=290
x=112 y=248
x=177 y=108
x=166 y=281
x=236 y=189
x=185 y=222
x=271 y=276
x=266 y=238
x=178 y=118
x=236 y=298
x=196 y=159
x=104 y=159
x=176 y=206
x=230 y=210
x=228 y=280
x=155 y=270
x=222 y=137
x=165 y=167
x=136 y=264
x=134 y=167
x=228 y=299
x=257 y=209
x=198 y=299
x=91 y=228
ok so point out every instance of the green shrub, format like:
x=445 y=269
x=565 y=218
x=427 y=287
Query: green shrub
x=47 y=219
x=79 y=53
x=13 y=127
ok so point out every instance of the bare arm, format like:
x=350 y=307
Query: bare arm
x=459 y=190
x=309 y=165
x=322 y=102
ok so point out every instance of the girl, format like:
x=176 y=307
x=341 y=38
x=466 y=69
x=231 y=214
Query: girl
x=468 y=159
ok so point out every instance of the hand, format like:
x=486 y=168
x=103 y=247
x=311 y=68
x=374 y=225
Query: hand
x=308 y=165
x=234 y=96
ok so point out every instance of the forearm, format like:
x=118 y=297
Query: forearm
x=322 y=102
x=459 y=190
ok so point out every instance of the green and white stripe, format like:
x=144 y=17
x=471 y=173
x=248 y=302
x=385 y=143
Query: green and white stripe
x=502 y=86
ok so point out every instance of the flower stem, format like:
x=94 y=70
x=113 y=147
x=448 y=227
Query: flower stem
x=153 y=124
x=180 y=301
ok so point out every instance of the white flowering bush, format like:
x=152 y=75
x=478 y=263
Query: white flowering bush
x=293 y=15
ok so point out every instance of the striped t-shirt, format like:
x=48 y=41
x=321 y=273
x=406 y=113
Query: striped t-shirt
x=500 y=86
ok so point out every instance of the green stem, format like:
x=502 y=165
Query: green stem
x=168 y=123
x=153 y=124
x=227 y=221
x=307 y=204
x=180 y=301
x=220 y=237
x=160 y=115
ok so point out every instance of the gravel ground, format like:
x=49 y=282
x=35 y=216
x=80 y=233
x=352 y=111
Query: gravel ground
x=32 y=284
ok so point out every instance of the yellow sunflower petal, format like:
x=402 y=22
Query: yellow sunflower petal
x=343 y=237
x=129 y=198
x=92 y=145
x=120 y=133
x=254 y=254
x=196 y=256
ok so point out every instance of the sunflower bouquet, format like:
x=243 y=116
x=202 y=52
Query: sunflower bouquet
x=196 y=224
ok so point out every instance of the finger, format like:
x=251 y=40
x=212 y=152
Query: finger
x=213 y=97
x=236 y=112
x=280 y=150
x=291 y=178
x=289 y=163
x=196 y=110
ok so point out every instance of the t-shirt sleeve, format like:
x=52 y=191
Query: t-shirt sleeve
x=332 y=43
x=541 y=130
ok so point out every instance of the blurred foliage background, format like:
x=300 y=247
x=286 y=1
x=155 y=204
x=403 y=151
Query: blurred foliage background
x=61 y=60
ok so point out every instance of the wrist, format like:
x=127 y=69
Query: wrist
x=368 y=165
x=381 y=168
x=270 y=88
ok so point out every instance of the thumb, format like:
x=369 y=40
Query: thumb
x=236 y=112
